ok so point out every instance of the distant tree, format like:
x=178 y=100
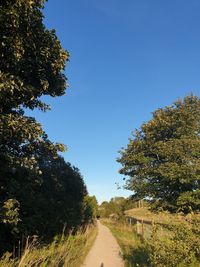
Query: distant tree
x=117 y=206
x=103 y=209
x=162 y=160
x=90 y=208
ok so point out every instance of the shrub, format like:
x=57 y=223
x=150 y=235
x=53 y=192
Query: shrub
x=177 y=246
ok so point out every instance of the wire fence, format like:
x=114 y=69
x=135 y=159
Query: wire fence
x=144 y=227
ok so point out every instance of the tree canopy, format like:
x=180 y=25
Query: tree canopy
x=32 y=58
x=162 y=160
x=39 y=192
x=90 y=208
x=116 y=206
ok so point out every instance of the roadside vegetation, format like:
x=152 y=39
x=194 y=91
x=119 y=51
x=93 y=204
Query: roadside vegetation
x=65 y=251
x=167 y=240
x=116 y=207
x=132 y=248
x=161 y=165
x=159 y=216
x=176 y=246
x=40 y=193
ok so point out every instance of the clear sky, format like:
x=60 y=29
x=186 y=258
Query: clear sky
x=128 y=58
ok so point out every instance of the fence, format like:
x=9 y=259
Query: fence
x=144 y=227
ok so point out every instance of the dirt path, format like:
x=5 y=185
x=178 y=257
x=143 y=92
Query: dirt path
x=105 y=251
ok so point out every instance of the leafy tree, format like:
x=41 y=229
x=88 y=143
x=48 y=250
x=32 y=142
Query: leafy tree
x=162 y=160
x=32 y=64
x=90 y=208
x=56 y=202
x=103 y=210
x=39 y=192
x=50 y=192
x=32 y=59
x=116 y=205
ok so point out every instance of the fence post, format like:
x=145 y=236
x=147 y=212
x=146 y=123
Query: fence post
x=142 y=228
x=152 y=226
x=137 y=226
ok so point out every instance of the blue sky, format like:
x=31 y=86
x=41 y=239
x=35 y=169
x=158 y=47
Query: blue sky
x=128 y=58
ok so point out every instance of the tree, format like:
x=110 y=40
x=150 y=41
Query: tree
x=90 y=208
x=54 y=203
x=117 y=206
x=162 y=160
x=32 y=59
x=39 y=192
x=32 y=64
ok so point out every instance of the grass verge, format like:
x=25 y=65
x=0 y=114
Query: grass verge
x=67 y=251
x=178 y=248
x=133 y=249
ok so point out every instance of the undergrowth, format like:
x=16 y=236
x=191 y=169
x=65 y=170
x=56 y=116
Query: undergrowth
x=133 y=249
x=178 y=246
x=66 y=251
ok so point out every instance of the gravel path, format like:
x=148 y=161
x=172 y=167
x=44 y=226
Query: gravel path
x=105 y=251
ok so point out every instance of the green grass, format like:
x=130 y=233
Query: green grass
x=178 y=248
x=133 y=249
x=67 y=251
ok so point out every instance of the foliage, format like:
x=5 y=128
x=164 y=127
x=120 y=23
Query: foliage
x=162 y=160
x=90 y=207
x=180 y=247
x=10 y=212
x=135 y=253
x=159 y=216
x=41 y=200
x=39 y=192
x=174 y=245
x=115 y=206
x=32 y=59
x=68 y=251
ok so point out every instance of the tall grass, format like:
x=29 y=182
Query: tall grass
x=66 y=251
x=133 y=249
x=179 y=246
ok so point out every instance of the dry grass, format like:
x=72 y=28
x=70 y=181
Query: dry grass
x=163 y=217
x=68 y=251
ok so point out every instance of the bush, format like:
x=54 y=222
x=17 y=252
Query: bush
x=176 y=246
